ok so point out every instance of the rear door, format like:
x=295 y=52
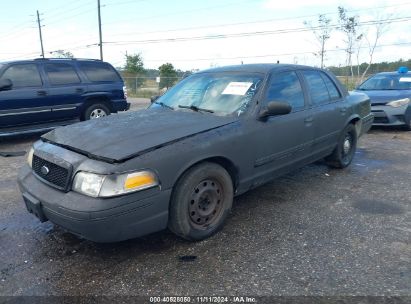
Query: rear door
x=65 y=90
x=330 y=109
x=287 y=139
x=24 y=103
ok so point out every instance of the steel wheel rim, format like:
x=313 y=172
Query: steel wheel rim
x=206 y=203
x=347 y=147
x=97 y=113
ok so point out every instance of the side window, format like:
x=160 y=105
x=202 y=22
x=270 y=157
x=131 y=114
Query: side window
x=23 y=75
x=61 y=74
x=317 y=88
x=286 y=87
x=99 y=72
x=332 y=89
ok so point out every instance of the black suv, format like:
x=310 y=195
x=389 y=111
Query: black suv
x=40 y=94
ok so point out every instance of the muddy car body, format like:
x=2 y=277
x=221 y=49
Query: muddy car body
x=186 y=163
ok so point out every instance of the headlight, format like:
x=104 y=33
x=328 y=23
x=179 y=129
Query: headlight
x=97 y=185
x=399 y=102
x=30 y=157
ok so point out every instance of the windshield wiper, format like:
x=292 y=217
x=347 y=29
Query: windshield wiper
x=195 y=108
x=163 y=105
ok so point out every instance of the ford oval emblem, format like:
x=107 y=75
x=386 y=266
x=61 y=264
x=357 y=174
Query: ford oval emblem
x=45 y=170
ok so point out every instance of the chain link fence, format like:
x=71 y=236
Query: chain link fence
x=146 y=87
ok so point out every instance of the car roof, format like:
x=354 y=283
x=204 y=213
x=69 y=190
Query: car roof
x=255 y=68
x=394 y=73
x=49 y=60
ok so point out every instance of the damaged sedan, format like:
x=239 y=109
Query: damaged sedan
x=179 y=163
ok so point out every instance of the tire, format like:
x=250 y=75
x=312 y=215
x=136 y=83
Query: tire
x=201 y=200
x=96 y=110
x=343 y=154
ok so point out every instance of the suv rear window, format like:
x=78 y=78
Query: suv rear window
x=99 y=72
x=61 y=73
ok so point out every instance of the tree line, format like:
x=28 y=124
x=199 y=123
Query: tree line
x=169 y=75
x=373 y=68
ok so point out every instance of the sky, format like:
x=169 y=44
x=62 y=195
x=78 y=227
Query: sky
x=194 y=34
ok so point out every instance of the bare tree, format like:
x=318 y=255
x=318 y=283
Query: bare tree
x=349 y=26
x=321 y=32
x=379 y=28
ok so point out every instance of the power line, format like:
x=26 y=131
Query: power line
x=184 y=12
x=254 y=22
x=247 y=34
x=267 y=55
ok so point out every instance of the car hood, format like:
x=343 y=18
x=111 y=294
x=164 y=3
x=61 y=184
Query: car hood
x=380 y=97
x=119 y=137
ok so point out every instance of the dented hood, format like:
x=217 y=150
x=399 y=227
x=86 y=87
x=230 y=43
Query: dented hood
x=120 y=137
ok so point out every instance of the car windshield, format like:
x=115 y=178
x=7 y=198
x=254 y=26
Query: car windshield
x=387 y=82
x=220 y=94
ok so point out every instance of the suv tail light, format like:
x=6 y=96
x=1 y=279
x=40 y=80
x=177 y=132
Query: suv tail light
x=125 y=91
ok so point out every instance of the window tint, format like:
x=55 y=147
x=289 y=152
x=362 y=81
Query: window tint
x=332 y=89
x=23 y=75
x=97 y=71
x=61 y=73
x=286 y=87
x=317 y=88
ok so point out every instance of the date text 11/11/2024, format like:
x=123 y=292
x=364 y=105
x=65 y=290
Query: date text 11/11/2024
x=202 y=299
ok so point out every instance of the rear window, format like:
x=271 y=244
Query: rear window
x=99 y=72
x=61 y=74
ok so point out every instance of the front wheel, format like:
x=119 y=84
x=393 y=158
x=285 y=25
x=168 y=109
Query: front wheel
x=343 y=154
x=201 y=201
x=95 y=111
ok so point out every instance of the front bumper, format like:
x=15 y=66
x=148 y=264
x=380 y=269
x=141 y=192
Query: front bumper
x=366 y=125
x=99 y=220
x=390 y=116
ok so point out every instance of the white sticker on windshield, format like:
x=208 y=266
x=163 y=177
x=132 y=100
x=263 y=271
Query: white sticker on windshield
x=237 y=88
x=405 y=79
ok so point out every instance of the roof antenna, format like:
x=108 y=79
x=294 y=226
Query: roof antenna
x=278 y=61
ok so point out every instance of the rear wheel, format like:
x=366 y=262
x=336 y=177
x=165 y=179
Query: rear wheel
x=201 y=201
x=343 y=154
x=95 y=111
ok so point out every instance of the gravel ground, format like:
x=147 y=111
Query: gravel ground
x=316 y=231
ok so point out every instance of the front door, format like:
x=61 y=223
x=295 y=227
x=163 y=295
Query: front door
x=24 y=103
x=282 y=141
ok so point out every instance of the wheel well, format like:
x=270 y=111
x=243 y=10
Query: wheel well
x=223 y=162
x=355 y=121
x=100 y=99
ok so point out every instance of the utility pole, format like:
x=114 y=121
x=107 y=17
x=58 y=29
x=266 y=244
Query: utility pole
x=41 y=37
x=99 y=29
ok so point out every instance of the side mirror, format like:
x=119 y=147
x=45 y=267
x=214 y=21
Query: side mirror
x=275 y=108
x=5 y=84
x=154 y=98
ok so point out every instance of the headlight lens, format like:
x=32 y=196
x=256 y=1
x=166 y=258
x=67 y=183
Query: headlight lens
x=399 y=102
x=30 y=157
x=97 y=185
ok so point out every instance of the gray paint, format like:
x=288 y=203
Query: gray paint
x=254 y=151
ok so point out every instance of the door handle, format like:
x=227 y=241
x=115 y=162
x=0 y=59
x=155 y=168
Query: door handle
x=41 y=93
x=79 y=90
x=343 y=110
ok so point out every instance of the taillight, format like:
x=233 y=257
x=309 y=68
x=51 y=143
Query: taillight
x=125 y=91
